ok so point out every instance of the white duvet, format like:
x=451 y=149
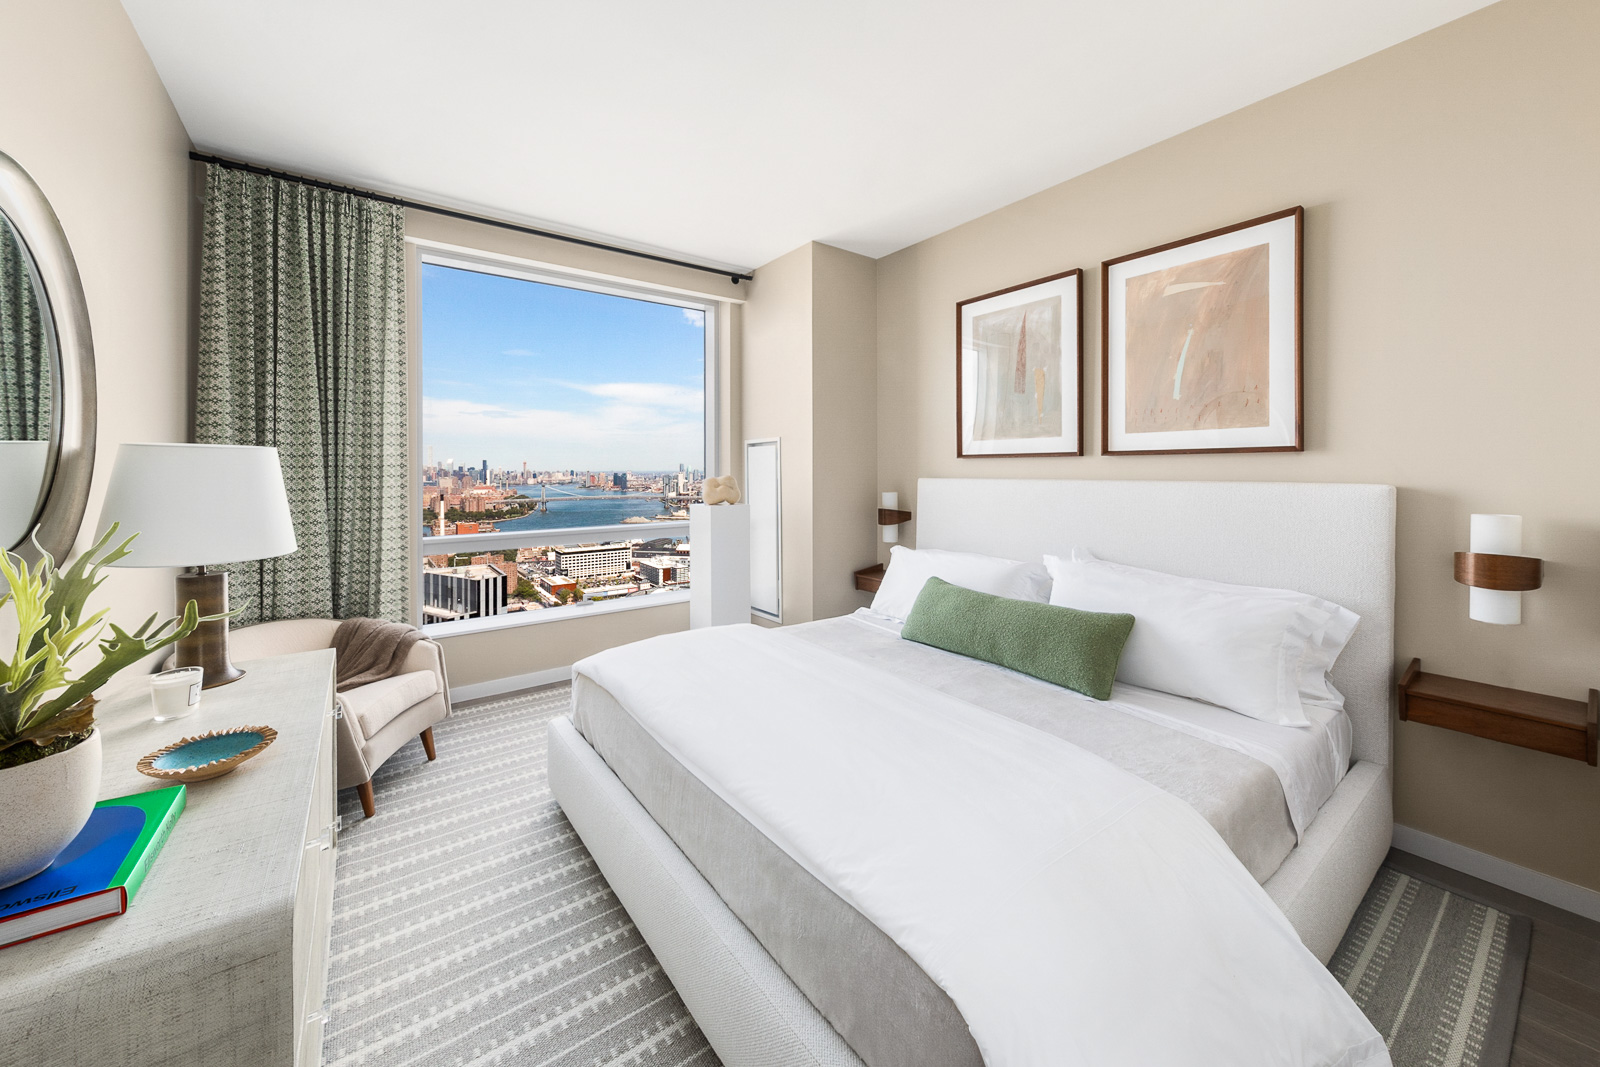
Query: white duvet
x=1308 y=760
x=1074 y=913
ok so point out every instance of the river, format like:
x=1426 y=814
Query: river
x=585 y=507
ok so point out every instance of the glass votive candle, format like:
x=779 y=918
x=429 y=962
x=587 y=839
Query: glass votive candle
x=176 y=693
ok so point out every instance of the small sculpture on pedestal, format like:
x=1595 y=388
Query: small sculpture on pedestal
x=724 y=490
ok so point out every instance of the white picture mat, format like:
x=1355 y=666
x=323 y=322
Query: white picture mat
x=1068 y=289
x=1282 y=355
x=764 y=494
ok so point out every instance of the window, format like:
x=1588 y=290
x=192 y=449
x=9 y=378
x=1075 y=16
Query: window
x=565 y=431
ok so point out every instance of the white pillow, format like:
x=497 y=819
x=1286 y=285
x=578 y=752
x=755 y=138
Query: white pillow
x=1261 y=652
x=1316 y=687
x=910 y=568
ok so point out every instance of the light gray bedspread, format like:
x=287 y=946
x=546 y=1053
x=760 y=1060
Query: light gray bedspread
x=1241 y=797
x=865 y=985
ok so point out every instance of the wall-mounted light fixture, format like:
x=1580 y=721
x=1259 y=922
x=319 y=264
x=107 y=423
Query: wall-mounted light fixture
x=890 y=517
x=1496 y=570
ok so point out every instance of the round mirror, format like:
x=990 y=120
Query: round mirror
x=47 y=401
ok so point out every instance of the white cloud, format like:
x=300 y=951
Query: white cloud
x=646 y=394
x=693 y=317
x=638 y=425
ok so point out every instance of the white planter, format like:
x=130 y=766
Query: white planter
x=46 y=803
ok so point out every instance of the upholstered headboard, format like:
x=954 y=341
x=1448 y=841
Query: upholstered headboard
x=1334 y=541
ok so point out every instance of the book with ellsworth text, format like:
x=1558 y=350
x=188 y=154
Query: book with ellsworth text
x=98 y=874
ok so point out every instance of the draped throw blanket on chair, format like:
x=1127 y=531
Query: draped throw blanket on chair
x=302 y=347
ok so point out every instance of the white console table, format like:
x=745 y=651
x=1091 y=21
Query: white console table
x=222 y=957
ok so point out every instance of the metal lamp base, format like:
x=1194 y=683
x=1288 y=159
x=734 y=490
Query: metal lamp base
x=207 y=647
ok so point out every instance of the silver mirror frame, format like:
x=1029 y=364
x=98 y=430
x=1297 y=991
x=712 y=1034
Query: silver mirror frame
x=67 y=494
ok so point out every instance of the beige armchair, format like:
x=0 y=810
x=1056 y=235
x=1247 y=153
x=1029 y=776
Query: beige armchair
x=376 y=719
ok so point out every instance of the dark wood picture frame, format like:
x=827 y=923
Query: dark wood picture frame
x=1077 y=343
x=1298 y=214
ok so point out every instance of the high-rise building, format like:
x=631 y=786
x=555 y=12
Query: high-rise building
x=663 y=570
x=504 y=566
x=593 y=561
x=484 y=478
x=471 y=592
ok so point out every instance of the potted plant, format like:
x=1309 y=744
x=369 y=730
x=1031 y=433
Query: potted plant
x=49 y=748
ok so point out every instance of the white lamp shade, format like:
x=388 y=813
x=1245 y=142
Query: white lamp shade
x=1499 y=535
x=198 y=505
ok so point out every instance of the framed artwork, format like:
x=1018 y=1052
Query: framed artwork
x=1200 y=343
x=1019 y=370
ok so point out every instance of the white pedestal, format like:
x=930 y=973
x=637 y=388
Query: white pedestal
x=719 y=564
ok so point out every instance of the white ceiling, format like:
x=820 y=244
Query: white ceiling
x=735 y=131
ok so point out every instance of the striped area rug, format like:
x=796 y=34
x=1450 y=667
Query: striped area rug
x=471 y=927
x=1439 y=975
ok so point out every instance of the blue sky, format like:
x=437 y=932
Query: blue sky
x=516 y=371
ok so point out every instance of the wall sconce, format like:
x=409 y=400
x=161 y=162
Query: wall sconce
x=890 y=517
x=1496 y=570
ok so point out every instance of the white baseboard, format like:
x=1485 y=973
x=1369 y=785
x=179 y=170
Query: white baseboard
x=1503 y=873
x=497 y=686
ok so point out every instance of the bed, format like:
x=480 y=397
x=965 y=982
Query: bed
x=767 y=954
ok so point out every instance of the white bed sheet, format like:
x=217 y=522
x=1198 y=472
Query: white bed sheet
x=1309 y=761
x=1055 y=897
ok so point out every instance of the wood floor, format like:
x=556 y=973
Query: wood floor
x=1559 y=1022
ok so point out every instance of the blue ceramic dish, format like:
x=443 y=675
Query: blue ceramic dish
x=210 y=755
x=204 y=750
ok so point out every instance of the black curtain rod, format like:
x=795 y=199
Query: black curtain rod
x=317 y=183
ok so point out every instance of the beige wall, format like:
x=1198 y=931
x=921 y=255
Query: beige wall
x=1451 y=280
x=776 y=402
x=88 y=118
x=844 y=385
x=519 y=650
x=474 y=659
x=809 y=379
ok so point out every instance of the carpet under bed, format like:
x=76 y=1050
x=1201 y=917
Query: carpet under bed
x=472 y=927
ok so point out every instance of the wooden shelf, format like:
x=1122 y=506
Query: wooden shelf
x=1555 y=725
x=869 y=578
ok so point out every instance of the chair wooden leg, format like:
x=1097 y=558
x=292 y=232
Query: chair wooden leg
x=427 y=743
x=368 y=805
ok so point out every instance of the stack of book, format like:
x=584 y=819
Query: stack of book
x=98 y=874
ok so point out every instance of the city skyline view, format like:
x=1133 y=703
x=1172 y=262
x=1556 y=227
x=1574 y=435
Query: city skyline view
x=516 y=371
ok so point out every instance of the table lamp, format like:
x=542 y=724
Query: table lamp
x=197 y=506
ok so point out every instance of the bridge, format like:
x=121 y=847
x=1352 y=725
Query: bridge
x=542 y=502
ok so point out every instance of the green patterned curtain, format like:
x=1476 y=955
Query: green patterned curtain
x=25 y=373
x=302 y=346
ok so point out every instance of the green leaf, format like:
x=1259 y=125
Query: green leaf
x=40 y=700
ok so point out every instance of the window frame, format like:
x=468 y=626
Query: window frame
x=432 y=253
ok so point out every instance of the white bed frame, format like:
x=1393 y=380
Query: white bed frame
x=1334 y=541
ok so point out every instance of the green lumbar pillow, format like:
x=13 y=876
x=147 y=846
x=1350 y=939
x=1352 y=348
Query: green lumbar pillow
x=1071 y=648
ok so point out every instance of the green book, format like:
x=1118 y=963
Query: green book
x=99 y=872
